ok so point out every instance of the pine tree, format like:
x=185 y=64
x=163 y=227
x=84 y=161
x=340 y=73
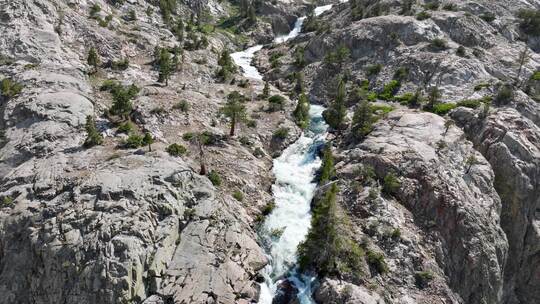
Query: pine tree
x=266 y=90
x=122 y=96
x=165 y=67
x=235 y=110
x=362 y=123
x=227 y=65
x=148 y=140
x=301 y=112
x=94 y=137
x=337 y=112
x=327 y=167
x=93 y=59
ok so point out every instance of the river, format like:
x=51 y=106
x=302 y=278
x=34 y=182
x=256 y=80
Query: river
x=288 y=224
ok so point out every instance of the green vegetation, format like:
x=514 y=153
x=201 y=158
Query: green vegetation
x=122 y=96
x=182 y=105
x=268 y=208
x=438 y=44
x=93 y=137
x=327 y=170
x=301 y=112
x=9 y=88
x=530 y=21
x=336 y=112
x=329 y=248
x=338 y=56
x=423 y=16
x=281 y=133
x=461 y=52
x=443 y=108
x=470 y=162
x=215 y=178
x=238 y=195
x=474 y=103
x=373 y=70
x=423 y=278
x=148 y=140
x=376 y=261
x=505 y=94
x=299 y=59
x=176 y=150
x=488 y=16
x=401 y=74
x=389 y=90
x=7 y=201
x=93 y=59
x=165 y=66
x=126 y=127
x=120 y=65
x=167 y=7
x=234 y=109
x=276 y=103
x=363 y=119
x=228 y=68
x=274 y=59
x=134 y=141
x=391 y=184
x=266 y=91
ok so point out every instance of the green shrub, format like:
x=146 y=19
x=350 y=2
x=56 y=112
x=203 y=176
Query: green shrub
x=268 y=208
x=176 y=150
x=438 y=44
x=126 y=127
x=443 y=108
x=432 y=6
x=481 y=86
x=182 y=105
x=536 y=76
x=215 y=178
x=134 y=141
x=9 y=88
x=373 y=70
x=391 y=184
x=238 y=195
x=423 y=16
x=245 y=141
x=474 y=103
x=301 y=112
x=7 y=201
x=423 y=278
x=338 y=56
x=276 y=103
x=377 y=261
x=461 y=52
x=389 y=90
x=120 y=65
x=188 y=136
x=281 y=133
x=505 y=94
x=327 y=170
x=401 y=74
x=487 y=16
x=94 y=10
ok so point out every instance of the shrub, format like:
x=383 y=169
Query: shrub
x=423 y=16
x=336 y=113
x=389 y=90
x=433 y=6
x=268 y=208
x=238 y=195
x=443 y=108
x=474 y=103
x=176 y=150
x=245 y=141
x=134 y=141
x=120 y=65
x=7 y=201
x=228 y=68
x=122 y=99
x=281 y=133
x=362 y=123
x=391 y=184
x=215 y=178
x=376 y=260
x=505 y=94
x=182 y=105
x=461 y=52
x=338 y=56
x=536 y=76
x=487 y=16
x=401 y=74
x=423 y=278
x=276 y=103
x=126 y=127
x=188 y=136
x=94 y=10
x=438 y=44
x=372 y=70
x=9 y=88
x=301 y=112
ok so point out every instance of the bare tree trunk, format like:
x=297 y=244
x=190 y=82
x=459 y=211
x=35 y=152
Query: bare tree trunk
x=233 y=126
x=201 y=158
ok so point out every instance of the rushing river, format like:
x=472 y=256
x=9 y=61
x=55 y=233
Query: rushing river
x=288 y=224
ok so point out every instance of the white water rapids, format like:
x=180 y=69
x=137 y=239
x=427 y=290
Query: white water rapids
x=288 y=224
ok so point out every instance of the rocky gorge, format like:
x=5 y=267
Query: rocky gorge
x=141 y=162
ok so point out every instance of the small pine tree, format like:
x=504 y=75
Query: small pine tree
x=227 y=65
x=434 y=94
x=327 y=167
x=93 y=59
x=337 y=112
x=301 y=112
x=122 y=97
x=93 y=138
x=148 y=140
x=235 y=110
x=362 y=123
x=165 y=67
x=266 y=90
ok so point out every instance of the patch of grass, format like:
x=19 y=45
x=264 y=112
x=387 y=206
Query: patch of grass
x=423 y=16
x=281 y=133
x=438 y=44
x=377 y=261
x=423 y=278
x=374 y=69
x=238 y=195
x=391 y=184
x=443 y=108
x=389 y=90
